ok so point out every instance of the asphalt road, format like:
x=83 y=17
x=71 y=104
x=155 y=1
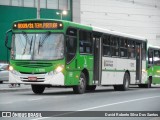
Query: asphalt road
x=103 y=99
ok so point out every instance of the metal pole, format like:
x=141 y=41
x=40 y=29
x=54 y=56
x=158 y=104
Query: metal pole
x=38 y=10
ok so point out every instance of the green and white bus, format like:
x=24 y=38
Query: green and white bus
x=153 y=65
x=55 y=53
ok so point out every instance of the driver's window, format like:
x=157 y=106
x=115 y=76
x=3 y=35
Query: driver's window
x=156 y=57
x=71 y=43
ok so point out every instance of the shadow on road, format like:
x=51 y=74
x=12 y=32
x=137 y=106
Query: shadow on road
x=69 y=91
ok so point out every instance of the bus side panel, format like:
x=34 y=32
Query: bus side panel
x=76 y=66
x=72 y=77
x=132 y=70
x=156 y=75
x=144 y=72
x=108 y=71
x=123 y=65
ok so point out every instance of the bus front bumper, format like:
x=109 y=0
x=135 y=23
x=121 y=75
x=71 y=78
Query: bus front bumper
x=43 y=79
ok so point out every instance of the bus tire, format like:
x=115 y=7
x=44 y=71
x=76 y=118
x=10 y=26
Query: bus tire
x=125 y=85
x=91 y=87
x=38 y=89
x=80 y=89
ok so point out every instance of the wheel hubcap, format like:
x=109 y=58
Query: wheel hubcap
x=127 y=82
x=81 y=83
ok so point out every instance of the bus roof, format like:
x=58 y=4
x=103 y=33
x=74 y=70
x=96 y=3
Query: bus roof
x=97 y=29
x=112 y=32
x=153 y=46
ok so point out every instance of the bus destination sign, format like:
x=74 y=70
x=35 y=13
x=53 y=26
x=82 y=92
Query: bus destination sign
x=38 y=25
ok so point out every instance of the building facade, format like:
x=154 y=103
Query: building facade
x=137 y=17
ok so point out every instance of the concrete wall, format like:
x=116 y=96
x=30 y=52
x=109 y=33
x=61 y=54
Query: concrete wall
x=76 y=11
x=137 y=17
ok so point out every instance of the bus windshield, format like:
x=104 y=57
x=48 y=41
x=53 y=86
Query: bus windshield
x=42 y=46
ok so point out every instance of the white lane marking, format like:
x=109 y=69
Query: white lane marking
x=7 y=103
x=34 y=99
x=106 y=105
x=127 y=101
x=55 y=97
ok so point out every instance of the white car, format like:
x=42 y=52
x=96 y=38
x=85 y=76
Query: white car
x=4 y=73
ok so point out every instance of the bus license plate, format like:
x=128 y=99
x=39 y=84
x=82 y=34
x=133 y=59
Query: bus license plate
x=32 y=78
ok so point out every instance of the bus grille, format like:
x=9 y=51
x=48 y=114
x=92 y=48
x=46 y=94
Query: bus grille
x=33 y=64
x=39 y=79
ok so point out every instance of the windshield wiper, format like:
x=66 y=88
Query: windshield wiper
x=39 y=45
x=31 y=44
x=43 y=40
x=27 y=41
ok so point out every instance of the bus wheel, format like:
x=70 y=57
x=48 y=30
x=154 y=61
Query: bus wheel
x=125 y=86
x=80 y=89
x=91 y=87
x=38 y=89
x=126 y=82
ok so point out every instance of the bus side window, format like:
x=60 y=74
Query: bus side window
x=85 y=42
x=71 y=43
x=115 y=46
x=71 y=48
x=131 y=49
x=156 y=57
x=123 y=47
x=106 y=45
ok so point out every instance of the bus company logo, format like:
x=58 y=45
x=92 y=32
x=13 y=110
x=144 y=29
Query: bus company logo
x=6 y=114
x=108 y=63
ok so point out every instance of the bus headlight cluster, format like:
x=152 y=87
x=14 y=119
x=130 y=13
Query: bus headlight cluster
x=57 y=70
x=10 y=68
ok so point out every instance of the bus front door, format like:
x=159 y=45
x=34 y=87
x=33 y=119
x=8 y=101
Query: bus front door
x=138 y=62
x=97 y=60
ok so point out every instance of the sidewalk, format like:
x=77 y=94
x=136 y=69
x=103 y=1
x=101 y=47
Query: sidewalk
x=6 y=87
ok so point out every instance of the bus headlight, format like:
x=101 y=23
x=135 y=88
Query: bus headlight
x=10 y=68
x=158 y=71
x=59 y=69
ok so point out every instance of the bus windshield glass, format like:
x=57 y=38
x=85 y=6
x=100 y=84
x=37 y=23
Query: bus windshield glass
x=44 y=46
